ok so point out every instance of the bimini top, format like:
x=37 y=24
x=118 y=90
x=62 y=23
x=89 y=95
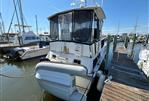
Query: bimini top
x=98 y=10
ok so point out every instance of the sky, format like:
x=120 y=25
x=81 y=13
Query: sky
x=121 y=15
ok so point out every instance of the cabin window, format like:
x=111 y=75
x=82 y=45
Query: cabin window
x=102 y=43
x=100 y=23
x=65 y=26
x=31 y=38
x=82 y=26
x=97 y=28
x=54 y=28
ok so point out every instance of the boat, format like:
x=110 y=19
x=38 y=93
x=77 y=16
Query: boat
x=25 y=53
x=23 y=35
x=143 y=62
x=26 y=38
x=77 y=51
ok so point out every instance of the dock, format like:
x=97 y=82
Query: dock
x=5 y=46
x=128 y=82
x=8 y=45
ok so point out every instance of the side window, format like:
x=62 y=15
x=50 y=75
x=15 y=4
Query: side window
x=102 y=43
x=54 y=28
x=82 y=26
x=96 y=29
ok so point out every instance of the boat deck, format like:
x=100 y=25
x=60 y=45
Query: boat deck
x=128 y=82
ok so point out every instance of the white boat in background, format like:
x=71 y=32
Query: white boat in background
x=26 y=38
x=24 y=53
x=77 y=50
x=143 y=62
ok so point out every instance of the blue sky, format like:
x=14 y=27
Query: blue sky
x=122 y=12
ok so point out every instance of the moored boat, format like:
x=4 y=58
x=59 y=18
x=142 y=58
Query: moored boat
x=77 y=50
x=24 y=53
x=143 y=62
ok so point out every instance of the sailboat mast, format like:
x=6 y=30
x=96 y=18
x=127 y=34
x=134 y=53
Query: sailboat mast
x=2 y=23
x=36 y=24
x=17 y=20
x=21 y=15
x=135 y=28
x=17 y=15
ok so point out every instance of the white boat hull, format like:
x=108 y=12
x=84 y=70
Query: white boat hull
x=143 y=62
x=33 y=53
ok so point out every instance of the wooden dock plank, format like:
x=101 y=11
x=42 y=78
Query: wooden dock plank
x=114 y=91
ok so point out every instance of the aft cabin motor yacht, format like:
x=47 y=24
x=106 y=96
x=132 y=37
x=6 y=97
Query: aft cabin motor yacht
x=77 y=50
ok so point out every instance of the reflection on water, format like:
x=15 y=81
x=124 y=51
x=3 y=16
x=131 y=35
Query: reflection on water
x=21 y=89
x=27 y=88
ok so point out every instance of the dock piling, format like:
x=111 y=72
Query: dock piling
x=133 y=44
x=126 y=41
x=114 y=43
x=107 y=52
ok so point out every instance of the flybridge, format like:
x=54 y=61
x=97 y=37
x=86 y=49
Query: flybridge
x=81 y=25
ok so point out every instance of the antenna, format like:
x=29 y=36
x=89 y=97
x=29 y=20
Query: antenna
x=79 y=3
x=95 y=2
x=82 y=3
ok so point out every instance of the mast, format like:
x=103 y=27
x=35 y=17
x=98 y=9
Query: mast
x=18 y=21
x=17 y=15
x=2 y=24
x=118 y=28
x=36 y=24
x=21 y=14
x=134 y=38
x=135 y=27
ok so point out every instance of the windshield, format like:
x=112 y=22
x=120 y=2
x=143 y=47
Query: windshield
x=75 y=26
x=82 y=26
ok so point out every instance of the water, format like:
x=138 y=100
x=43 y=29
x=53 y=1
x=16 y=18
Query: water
x=27 y=88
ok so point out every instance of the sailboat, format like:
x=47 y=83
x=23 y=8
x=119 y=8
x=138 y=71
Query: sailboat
x=77 y=50
x=29 y=42
x=24 y=37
